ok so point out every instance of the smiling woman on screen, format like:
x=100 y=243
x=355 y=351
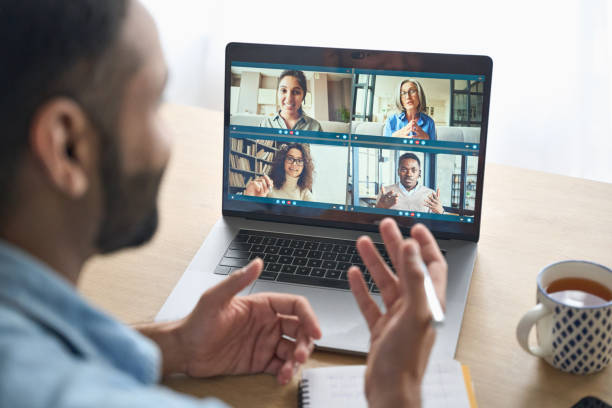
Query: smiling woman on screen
x=290 y=177
x=291 y=93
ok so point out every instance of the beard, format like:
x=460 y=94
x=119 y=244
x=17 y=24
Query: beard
x=130 y=215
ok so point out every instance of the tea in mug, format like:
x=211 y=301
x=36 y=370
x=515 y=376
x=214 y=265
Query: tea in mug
x=579 y=292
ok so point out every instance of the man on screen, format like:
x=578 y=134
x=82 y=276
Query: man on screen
x=408 y=194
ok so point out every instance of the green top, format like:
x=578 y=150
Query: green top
x=304 y=123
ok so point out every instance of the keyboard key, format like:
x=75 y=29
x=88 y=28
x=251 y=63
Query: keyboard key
x=222 y=270
x=325 y=247
x=374 y=288
x=285 y=259
x=300 y=261
x=235 y=262
x=343 y=276
x=328 y=256
x=333 y=274
x=241 y=238
x=315 y=254
x=318 y=272
x=311 y=280
x=232 y=253
x=343 y=266
x=282 y=242
x=329 y=264
x=240 y=246
x=303 y=270
x=311 y=245
x=295 y=243
x=300 y=252
x=258 y=248
x=255 y=239
x=289 y=268
x=315 y=263
x=272 y=249
x=270 y=258
x=256 y=255
x=352 y=250
x=341 y=249
x=265 y=275
x=344 y=258
x=273 y=267
x=356 y=259
x=285 y=251
x=269 y=241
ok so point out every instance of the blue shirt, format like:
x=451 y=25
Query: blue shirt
x=58 y=351
x=399 y=120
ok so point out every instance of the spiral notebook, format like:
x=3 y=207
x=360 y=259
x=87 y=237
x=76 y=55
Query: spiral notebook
x=446 y=384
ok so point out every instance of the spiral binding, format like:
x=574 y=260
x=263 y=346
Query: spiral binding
x=303 y=394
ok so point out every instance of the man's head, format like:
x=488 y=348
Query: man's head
x=409 y=170
x=81 y=148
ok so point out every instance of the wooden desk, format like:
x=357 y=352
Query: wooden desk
x=530 y=219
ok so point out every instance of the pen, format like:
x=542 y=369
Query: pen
x=432 y=299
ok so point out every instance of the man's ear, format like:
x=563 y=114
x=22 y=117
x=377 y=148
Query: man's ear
x=62 y=143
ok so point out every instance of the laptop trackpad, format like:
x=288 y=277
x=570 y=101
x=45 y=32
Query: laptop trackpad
x=342 y=324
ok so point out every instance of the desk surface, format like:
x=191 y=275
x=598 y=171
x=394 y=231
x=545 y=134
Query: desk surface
x=529 y=219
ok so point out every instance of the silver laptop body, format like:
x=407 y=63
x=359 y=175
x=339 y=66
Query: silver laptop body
x=457 y=231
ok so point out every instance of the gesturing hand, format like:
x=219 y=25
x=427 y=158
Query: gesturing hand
x=402 y=337
x=387 y=199
x=226 y=334
x=434 y=203
x=259 y=187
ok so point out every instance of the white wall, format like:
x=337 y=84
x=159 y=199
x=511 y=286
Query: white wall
x=331 y=168
x=552 y=88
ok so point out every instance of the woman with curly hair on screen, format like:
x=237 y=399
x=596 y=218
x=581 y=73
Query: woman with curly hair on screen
x=290 y=177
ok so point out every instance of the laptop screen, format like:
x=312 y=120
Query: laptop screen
x=347 y=137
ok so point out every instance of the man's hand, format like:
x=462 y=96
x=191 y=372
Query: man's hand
x=226 y=334
x=401 y=338
x=434 y=203
x=387 y=199
x=259 y=187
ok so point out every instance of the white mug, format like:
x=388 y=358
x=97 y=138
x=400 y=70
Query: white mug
x=571 y=338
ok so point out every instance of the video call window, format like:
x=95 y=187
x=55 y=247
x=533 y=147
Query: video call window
x=290 y=99
x=417 y=107
x=285 y=169
x=413 y=181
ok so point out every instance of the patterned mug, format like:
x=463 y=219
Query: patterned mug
x=572 y=336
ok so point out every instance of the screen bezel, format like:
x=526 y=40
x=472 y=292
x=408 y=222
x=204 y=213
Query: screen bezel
x=359 y=59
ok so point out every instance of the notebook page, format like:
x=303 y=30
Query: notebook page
x=342 y=386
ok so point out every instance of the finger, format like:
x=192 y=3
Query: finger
x=289 y=325
x=369 y=308
x=237 y=281
x=392 y=237
x=433 y=258
x=412 y=278
x=303 y=347
x=296 y=306
x=385 y=280
x=274 y=366
x=269 y=181
x=438 y=192
x=382 y=190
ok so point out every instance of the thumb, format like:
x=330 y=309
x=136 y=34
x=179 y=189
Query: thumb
x=438 y=192
x=223 y=292
x=382 y=190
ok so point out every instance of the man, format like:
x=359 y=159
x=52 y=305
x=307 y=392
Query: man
x=408 y=194
x=82 y=153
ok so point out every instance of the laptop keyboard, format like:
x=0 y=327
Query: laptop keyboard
x=298 y=259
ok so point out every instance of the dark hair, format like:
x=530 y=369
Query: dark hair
x=409 y=156
x=277 y=173
x=56 y=49
x=301 y=78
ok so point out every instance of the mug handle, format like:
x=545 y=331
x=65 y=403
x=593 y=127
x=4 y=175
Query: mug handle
x=524 y=327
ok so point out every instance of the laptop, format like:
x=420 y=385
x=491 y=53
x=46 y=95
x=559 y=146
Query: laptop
x=321 y=144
